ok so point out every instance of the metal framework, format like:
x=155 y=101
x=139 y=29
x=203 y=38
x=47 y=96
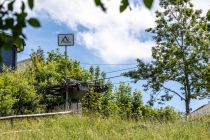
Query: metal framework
x=76 y=89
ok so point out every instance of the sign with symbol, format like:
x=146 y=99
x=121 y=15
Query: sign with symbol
x=65 y=40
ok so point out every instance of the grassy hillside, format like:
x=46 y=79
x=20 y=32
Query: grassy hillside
x=80 y=127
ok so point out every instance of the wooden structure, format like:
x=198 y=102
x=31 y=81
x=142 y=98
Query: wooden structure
x=34 y=115
x=76 y=89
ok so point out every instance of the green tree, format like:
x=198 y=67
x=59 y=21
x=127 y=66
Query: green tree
x=13 y=21
x=91 y=102
x=50 y=72
x=137 y=104
x=97 y=73
x=91 y=70
x=206 y=77
x=181 y=53
x=123 y=99
x=108 y=102
x=103 y=77
x=206 y=71
x=17 y=95
x=6 y=99
x=208 y=18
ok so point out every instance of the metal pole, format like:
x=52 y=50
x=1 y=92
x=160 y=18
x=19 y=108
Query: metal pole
x=66 y=78
x=77 y=106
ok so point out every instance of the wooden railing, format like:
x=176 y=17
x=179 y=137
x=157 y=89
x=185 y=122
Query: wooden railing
x=34 y=115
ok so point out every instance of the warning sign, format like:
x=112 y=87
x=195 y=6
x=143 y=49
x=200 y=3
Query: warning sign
x=65 y=40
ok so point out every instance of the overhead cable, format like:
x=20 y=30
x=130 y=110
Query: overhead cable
x=132 y=68
x=100 y=64
x=111 y=77
x=123 y=82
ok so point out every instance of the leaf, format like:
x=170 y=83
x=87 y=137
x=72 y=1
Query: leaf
x=34 y=22
x=148 y=3
x=23 y=7
x=18 y=42
x=124 y=4
x=10 y=5
x=100 y=4
x=9 y=22
x=31 y=3
x=208 y=15
x=97 y=2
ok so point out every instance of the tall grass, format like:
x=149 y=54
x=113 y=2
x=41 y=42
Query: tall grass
x=70 y=127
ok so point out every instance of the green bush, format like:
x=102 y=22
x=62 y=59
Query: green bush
x=16 y=94
x=125 y=103
x=24 y=91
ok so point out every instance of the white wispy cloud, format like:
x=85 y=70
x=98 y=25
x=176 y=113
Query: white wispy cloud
x=112 y=36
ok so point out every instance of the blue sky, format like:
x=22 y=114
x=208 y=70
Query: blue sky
x=100 y=38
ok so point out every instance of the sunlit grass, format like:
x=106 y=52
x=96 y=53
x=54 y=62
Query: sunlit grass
x=92 y=127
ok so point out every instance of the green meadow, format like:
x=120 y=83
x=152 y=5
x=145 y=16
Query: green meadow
x=75 y=127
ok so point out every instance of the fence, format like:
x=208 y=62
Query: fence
x=34 y=115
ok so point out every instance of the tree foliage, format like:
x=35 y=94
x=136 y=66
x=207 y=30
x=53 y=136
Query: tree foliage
x=125 y=103
x=24 y=91
x=13 y=21
x=124 y=4
x=17 y=96
x=181 y=53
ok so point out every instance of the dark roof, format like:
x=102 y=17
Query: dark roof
x=25 y=60
x=199 y=108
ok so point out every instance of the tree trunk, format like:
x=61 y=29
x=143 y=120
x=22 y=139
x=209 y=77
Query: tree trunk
x=187 y=106
x=187 y=89
x=188 y=95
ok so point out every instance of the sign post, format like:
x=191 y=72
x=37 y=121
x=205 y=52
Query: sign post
x=66 y=40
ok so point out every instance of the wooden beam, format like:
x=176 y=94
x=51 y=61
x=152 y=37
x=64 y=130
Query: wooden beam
x=35 y=115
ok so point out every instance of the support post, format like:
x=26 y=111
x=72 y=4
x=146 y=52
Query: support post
x=66 y=40
x=66 y=81
x=77 y=106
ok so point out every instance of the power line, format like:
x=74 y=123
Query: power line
x=105 y=64
x=121 y=70
x=111 y=77
x=114 y=77
x=99 y=64
x=109 y=71
x=123 y=82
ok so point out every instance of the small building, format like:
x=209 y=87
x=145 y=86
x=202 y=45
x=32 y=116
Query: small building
x=9 y=55
x=76 y=90
x=201 y=111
